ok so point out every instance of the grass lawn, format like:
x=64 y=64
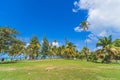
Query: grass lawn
x=57 y=69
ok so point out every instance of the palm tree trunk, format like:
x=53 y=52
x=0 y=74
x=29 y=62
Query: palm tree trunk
x=86 y=39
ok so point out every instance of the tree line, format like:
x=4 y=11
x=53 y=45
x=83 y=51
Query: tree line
x=11 y=45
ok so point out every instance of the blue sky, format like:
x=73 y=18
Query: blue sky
x=54 y=18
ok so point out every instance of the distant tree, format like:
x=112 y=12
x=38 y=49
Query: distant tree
x=7 y=36
x=80 y=55
x=16 y=48
x=61 y=51
x=45 y=47
x=33 y=48
x=55 y=48
x=86 y=52
x=70 y=50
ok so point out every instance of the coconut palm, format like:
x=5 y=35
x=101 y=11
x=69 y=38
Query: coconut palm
x=54 y=51
x=116 y=42
x=84 y=26
x=70 y=50
x=61 y=51
x=34 y=48
x=110 y=52
x=104 y=41
x=86 y=53
x=107 y=48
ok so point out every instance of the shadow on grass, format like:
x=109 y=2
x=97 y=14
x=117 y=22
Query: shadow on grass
x=107 y=62
x=8 y=62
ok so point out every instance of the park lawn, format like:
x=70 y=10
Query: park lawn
x=59 y=69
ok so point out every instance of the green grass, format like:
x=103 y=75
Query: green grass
x=56 y=69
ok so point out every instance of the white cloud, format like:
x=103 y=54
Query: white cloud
x=104 y=15
x=27 y=45
x=74 y=10
x=88 y=40
x=55 y=44
x=97 y=48
x=92 y=37
x=78 y=29
x=103 y=33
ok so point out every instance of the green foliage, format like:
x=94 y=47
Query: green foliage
x=84 y=25
x=33 y=48
x=108 y=48
x=80 y=55
x=86 y=52
x=93 y=57
x=7 y=36
x=45 y=47
x=70 y=50
x=104 y=41
x=17 y=47
x=116 y=42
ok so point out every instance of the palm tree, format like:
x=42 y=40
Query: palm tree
x=34 y=48
x=84 y=26
x=86 y=52
x=116 y=42
x=54 y=51
x=61 y=51
x=70 y=50
x=104 y=41
x=108 y=48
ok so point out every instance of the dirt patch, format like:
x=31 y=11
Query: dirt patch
x=109 y=67
x=7 y=69
x=50 y=68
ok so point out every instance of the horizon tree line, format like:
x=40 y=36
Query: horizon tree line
x=9 y=44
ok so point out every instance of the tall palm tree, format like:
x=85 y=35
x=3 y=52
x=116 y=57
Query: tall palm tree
x=84 y=26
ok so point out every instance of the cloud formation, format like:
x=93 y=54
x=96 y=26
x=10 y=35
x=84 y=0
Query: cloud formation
x=55 y=44
x=78 y=29
x=103 y=15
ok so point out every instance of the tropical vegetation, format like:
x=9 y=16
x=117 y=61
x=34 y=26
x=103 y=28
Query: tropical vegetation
x=10 y=44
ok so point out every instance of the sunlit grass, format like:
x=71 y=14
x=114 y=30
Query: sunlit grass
x=58 y=69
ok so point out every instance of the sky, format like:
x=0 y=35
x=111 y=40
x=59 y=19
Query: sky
x=60 y=19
